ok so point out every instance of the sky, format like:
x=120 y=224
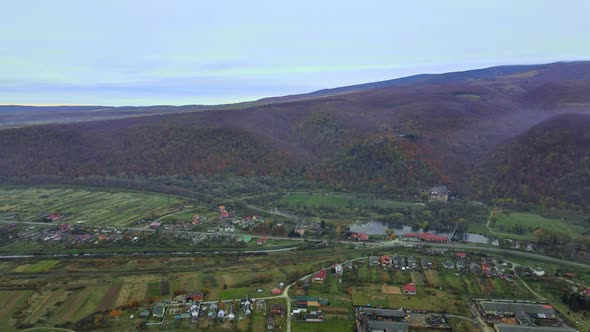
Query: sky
x=175 y=52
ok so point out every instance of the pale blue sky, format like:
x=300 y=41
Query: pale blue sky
x=129 y=52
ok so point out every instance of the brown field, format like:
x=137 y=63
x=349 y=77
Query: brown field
x=109 y=298
x=386 y=289
x=70 y=305
x=43 y=302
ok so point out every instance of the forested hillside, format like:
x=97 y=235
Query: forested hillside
x=389 y=138
x=547 y=165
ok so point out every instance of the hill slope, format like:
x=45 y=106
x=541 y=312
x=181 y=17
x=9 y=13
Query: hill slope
x=549 y=164
x=388 y=138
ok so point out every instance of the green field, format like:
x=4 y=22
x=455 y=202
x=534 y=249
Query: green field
x=94 y=206
x=41 y=266
x=529 y=222
x=339 y=201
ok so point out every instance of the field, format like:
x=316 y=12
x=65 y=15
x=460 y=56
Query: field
x=11 y=301
x=529 y=222
x=93 y=206
x=41 y=266
x=339 y=201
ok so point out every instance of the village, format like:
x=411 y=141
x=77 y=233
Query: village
x=307 y=302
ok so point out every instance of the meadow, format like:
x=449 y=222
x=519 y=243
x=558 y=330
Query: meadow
x=339 y=201
x=93 y=206
x=529 y=222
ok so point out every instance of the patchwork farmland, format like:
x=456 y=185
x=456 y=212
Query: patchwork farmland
x=94 y=206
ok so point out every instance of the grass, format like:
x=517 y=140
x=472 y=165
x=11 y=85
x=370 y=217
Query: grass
x=41 y=266
x=339 y=201
x=529 y=222
x=11 y=301
x=94 y=206
x=326 y=326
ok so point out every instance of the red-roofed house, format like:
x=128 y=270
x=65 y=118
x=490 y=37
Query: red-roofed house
x=320 y=276
x=359 y=236
x=410 y=289
x=155 y=225
x=385 y=260
x=276 y=291
x=461 y=255
x=55 y=217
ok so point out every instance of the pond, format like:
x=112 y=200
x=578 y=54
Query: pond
x=376 y=227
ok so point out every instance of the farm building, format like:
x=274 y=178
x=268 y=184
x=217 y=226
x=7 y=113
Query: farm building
x=522 y=328
x=438 y=194
x=155 y=224
x=541 y=312
x=381 y=326
x=397 y=315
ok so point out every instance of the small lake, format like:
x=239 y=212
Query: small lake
x=375 y=227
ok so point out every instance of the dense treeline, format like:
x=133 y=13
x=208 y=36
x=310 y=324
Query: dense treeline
x=394 y=141
x=548 y=166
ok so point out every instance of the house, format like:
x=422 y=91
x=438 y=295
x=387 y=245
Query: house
x=158 y=311
x=300 y=230
x=314 y=316
x=438 y=194
x=410 y=289
x=359 y=236
x=144 y=313
x=155 y=225
x=194 y=296
x=246 y=304
x=385 y=261
x=276 y=291
x=220 y=315
x=461 y=255
x=277 y=309
x=569 y=275
x=448 y=265
x=320 y=276
x=426 y=264
x=261 y=240
x=373 y=260
x=460 y=265
x=348 y=265
x=54 y=217
x=270 y=323
x=337 y=268
x=412 y=262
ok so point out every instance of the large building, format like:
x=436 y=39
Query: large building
x=521 y=328
x=438 y=194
